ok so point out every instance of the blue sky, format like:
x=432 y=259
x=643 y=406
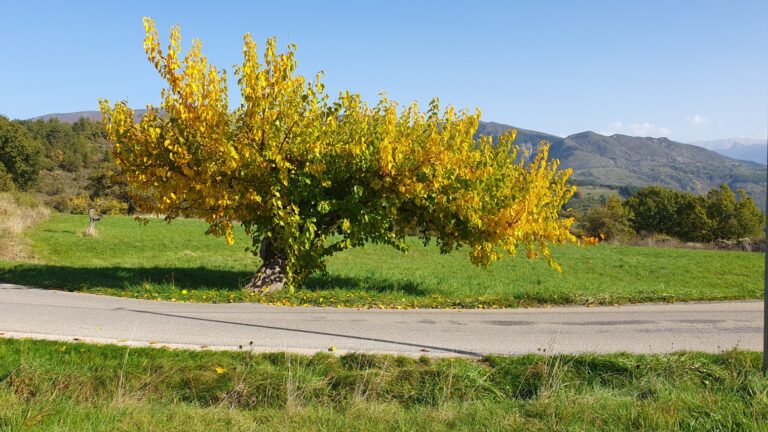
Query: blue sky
x=690 y=70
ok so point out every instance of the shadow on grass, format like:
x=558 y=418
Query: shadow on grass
x=75 y=278
x=324 y=282
x=189 y=278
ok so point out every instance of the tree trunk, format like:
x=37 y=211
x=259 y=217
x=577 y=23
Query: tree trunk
x=270 y=277
x=93 y=217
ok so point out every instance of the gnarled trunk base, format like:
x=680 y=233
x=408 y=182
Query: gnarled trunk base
x=270 y=277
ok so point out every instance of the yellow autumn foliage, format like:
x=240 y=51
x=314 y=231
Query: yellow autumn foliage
x=317 y=175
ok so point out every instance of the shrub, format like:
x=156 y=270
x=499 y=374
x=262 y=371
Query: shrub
x=609 y=220
x=110 y=206
x=59 y=203
x=80 y=204
x=6 y=181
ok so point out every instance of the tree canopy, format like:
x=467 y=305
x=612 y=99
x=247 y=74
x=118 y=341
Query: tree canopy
x=720 y=214
x=21 y=156
x=308 y=176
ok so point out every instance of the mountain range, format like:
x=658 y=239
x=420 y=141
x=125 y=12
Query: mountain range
x=622 y=160
x=749 y=149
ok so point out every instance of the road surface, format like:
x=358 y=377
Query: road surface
x=649 y=328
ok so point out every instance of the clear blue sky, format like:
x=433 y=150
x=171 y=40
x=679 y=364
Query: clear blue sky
x=689 y=70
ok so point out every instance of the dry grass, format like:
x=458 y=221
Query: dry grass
x=664 y=241
x=18 y=213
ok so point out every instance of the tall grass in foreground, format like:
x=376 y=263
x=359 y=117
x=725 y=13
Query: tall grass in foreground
x=18 y=212
x=61 y=386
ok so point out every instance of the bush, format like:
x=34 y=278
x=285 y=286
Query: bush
x=81 y=204
x=110 y=206
x=609 y=221
x=6 y=181
x=60 y=203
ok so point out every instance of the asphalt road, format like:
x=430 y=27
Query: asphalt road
x=649 y=328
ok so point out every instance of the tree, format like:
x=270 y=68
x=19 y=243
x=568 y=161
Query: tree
x=750 y=219
x=20 y=154
x=609 y=220
x=691 y=221
x=731 y=218
x=690 y=217
x=654 y=210
x=308 y=177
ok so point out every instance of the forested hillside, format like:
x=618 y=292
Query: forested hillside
x=69 y=165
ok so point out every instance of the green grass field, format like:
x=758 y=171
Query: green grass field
x=53 y=386
x=177 y=261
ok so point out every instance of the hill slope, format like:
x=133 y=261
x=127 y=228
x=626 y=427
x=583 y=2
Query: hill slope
x=75 y=116
x=621 y=160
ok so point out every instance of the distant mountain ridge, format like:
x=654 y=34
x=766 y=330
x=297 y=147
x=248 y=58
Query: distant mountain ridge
x=621 y=160
x=749 y=149
x=617 y=160
x=75 y=116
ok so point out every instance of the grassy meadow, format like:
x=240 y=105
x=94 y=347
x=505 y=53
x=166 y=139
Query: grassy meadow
x=57 y=386
x=178 y=262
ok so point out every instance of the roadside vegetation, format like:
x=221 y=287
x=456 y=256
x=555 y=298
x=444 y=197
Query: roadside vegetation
x=74 y=386
x=177 y=262
x=18 y=212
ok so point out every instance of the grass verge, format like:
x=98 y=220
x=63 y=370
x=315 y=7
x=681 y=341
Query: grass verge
x=73 y=386
x=177 y=262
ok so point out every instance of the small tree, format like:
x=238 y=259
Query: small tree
x=20 y=155
x=733 y=218
x=308 y=177
x=654 y=210
x=609 y=220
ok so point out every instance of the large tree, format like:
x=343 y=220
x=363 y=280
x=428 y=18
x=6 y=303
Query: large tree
x=308 y=176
